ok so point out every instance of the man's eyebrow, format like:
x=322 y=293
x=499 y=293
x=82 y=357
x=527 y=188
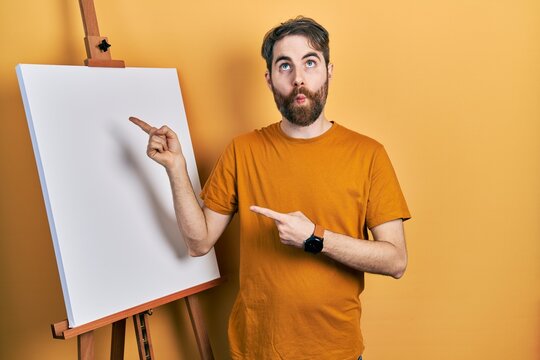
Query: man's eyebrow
x=283 y=57
x=287 y=58
x=311 y=54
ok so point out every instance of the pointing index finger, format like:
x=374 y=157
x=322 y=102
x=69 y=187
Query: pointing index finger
x=144 y=126
x=267 y=212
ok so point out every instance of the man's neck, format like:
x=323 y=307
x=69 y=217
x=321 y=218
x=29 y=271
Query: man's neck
x=319 y=127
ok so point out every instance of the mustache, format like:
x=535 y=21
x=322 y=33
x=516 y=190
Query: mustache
x=301 y=90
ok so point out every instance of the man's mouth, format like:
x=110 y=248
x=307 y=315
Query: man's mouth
x=300 y=99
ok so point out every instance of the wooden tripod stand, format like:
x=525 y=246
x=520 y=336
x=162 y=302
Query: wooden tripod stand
x=140 y=314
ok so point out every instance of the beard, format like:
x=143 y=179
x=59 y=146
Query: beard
x=304 y=114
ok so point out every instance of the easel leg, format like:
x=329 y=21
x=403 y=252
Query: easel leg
x=118 y=339
x=142 y=333
x=85 y=346
x=197 y=323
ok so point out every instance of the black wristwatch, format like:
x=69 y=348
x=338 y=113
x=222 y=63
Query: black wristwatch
x=314 y=244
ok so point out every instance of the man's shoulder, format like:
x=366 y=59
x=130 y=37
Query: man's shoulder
x=256 y=136
x=352 y=137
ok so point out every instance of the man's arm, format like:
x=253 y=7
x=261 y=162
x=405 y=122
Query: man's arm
x=386 y=255
x=200 y=227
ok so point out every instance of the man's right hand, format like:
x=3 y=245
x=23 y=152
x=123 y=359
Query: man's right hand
x=200 y=227
x=163 y=145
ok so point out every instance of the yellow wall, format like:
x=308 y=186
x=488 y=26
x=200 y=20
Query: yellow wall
x=451 y=87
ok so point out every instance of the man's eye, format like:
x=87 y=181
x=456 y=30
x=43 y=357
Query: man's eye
x=310 y=63
x=284 y=66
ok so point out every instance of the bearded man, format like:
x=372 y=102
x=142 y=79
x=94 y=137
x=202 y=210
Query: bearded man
x=307 y=190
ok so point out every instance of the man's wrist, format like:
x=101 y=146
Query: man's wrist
x=315 y=243
x=327 y=242
x=177 y=170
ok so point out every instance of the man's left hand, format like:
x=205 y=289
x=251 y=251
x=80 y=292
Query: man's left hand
x=294 y=228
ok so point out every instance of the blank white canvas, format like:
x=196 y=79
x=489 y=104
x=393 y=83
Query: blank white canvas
x=109 y=206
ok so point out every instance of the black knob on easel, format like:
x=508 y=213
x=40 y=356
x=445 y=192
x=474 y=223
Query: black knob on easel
x=104 y=46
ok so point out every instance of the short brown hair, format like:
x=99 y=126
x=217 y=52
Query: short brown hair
x=316 y=34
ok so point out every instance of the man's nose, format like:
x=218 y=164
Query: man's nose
x=298 y=79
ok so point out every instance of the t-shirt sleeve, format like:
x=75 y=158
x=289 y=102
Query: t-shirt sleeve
x=386 y=201
x=220 y=191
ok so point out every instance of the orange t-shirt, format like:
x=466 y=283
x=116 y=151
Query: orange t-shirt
x=292 y=304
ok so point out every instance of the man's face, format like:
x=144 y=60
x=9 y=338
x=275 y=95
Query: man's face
x=299 y=80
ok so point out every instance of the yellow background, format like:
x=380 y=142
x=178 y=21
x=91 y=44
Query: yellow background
x=452 y=88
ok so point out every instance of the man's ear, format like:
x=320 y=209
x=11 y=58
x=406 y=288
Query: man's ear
x=268 y=78
x=330 y=70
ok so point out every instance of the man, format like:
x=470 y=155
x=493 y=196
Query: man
x=306 y=190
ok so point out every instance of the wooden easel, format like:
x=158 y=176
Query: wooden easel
x=97 y=50
x=97 y=47
x=85 y=333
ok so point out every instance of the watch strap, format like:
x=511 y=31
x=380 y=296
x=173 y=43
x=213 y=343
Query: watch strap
x=319 y=231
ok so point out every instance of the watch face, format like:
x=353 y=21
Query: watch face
x=313 y=245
